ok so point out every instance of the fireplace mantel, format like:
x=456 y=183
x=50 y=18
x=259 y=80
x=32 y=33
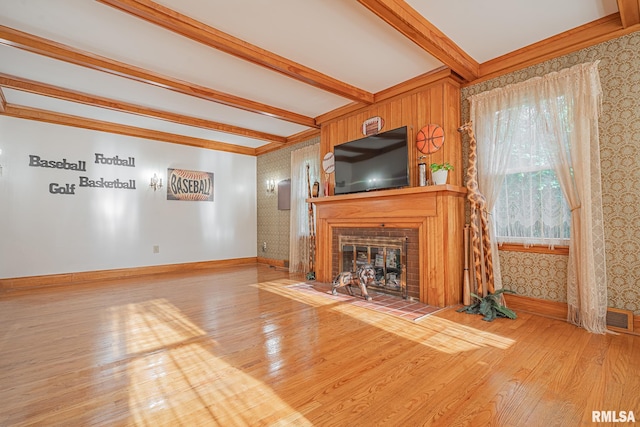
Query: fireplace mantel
x=436 y=211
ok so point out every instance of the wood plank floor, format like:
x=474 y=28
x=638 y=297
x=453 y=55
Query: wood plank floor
x=237 y=347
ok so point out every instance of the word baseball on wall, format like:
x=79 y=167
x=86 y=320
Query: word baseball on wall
x=189 y=185
x=81 y=166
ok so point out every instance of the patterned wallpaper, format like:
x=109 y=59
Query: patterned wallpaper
x=273 y=224
x=620 y=156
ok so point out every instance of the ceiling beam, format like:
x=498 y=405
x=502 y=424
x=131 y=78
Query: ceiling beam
x=629 y=12
x=3 y=101
x=581 y=37
x=102 y=126
x=402 y=89
x=416 y=28
x=51 y=49
x=209 y=36
x=44 y=89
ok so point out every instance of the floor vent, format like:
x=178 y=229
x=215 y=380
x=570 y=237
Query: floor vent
x=620 y=320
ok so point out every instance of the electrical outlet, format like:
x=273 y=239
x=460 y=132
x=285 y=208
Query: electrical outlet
x=264 y=246
x=156 y=249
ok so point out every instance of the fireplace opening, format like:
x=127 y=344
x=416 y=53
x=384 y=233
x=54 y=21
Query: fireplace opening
x=387 y=256
x=392 y=252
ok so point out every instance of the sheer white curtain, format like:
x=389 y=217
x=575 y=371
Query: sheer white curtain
x=559 y=113
x=299 y=228
x=494 y=127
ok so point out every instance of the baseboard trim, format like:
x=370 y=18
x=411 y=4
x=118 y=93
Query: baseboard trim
x=540 y=307
x=274 y=262
x=552 y=309
x=35 y=282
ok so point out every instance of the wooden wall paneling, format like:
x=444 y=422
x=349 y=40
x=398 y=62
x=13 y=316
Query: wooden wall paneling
x=453 y=139
x=444 y=258
x=421 y=106
x=418 y=117
x=353 y=129
x=436 y=261
x=409 y=111
x=396 y=113
x=455 y=235
x=445 y=246
x=436 y=116
x=323 y=250
x=424 y=261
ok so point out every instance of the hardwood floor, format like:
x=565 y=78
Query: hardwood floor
x=236 y=347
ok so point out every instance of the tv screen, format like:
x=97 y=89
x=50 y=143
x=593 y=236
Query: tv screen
x=376 y=162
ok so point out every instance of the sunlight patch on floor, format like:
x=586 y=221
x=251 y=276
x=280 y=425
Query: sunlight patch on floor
x=190 y=386
x=282 y=288
x=174 y=380
x=435 y=332
x=154 y=324
x=438 y=333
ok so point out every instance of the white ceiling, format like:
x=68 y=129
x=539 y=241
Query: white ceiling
x=338 y=38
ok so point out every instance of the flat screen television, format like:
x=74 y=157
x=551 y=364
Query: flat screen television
x=376 y=162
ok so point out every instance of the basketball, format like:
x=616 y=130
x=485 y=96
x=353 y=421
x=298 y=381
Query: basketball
x=430 y=139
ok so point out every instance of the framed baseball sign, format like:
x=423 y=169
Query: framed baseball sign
x=189 y=185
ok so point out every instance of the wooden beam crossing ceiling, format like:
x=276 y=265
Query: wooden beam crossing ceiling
x=51 y=49
x=3 y=101
x=629 y=12
x=96 y=101
x=415 y=27
x=209 y=36
x=37 y=114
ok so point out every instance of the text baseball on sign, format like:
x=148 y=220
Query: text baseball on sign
x=189 y=185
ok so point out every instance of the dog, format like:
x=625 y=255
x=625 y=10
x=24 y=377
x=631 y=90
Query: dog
x=363 y=276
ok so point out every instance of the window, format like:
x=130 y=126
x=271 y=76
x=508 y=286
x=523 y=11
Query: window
x=531 y=207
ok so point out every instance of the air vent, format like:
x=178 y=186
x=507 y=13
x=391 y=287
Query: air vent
x=620 y=320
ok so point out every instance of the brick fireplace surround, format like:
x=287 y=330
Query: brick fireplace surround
x=434 y=213
x=412 y=269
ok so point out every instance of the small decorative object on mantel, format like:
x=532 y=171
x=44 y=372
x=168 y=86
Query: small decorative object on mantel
x=490 y=306
x=430 y=139
x=329 y=166
x=440 y=172
x=372 y=126
x=422 y=171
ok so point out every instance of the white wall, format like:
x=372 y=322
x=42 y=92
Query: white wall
x=97 y=228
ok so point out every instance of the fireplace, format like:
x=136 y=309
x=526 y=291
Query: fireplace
x=432 y=217
x=393 y=253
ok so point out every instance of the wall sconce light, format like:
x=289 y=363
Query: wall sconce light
x=271 y=185
x=156 y=183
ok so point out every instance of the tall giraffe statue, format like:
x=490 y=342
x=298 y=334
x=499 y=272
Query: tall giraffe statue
x=480 y=240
